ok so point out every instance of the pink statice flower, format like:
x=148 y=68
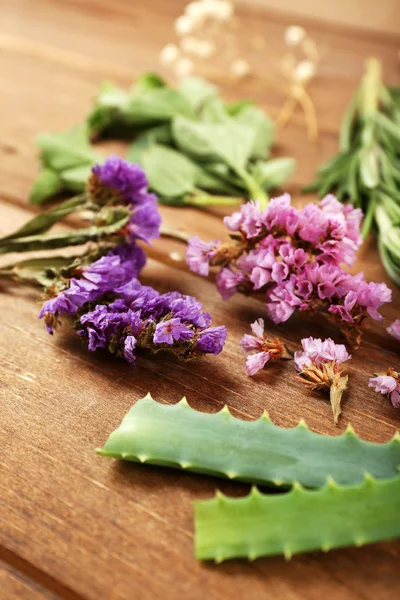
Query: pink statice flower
x=261 y=348
x=388 y=385
x=318 y=365
x=296 y=258
x=394 y=329
x=199 y=254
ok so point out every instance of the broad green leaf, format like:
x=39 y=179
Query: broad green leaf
x=158 y=105
x=47 y=184
x=234 y=108
x=197 y=91
x=273 y=173
x=263 y=130
x=76 y=179
x=170 y=173
x=161 y=134
x=214 y=111
x=66 y=149
x=230 y=142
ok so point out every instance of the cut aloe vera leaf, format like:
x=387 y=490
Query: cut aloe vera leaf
x=297 y=521
x=254 y=451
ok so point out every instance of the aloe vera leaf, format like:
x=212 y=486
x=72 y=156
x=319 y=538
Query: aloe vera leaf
x=297 y=521
x=255 y=451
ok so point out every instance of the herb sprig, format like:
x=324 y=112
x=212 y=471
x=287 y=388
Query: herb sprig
x=195 y=148
x=366 y=171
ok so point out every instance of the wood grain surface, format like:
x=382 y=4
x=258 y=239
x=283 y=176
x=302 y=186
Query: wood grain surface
x=74 y=525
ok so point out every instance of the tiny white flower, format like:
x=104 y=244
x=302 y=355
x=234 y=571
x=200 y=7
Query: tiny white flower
x=205 y=48
x=294 y=35
x=195 y=10
x=304 y=71
x=240 y=67
x=184 y=67
x=169 y=54
x=184 y=25
x=189 y=44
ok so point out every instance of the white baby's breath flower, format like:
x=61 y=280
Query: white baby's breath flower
x=189 y=44
x=184 y=66
x=294 y=35
x=240 y=67
x=195 y=10
x=184 y=25
x=205 y=48
x=169 y=54
x=304 y=71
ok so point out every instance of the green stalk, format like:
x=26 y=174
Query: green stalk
x=369 y=216
x=256 y=192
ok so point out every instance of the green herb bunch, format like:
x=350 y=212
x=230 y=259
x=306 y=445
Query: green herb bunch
x=195 y=148
x=366 y=171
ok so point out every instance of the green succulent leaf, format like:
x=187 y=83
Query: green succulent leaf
x=254 y=451
x=298 y=521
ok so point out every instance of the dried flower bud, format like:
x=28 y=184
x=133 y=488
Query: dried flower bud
x=262 y=349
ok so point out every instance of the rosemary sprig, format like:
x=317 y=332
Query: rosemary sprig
x=366 y=171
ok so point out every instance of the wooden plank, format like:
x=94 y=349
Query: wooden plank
x=85 y=526
x=17 y=585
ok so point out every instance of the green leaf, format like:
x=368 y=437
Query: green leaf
x=197 y=91
x=47 y=184
x=273 y=173
x=114 y=220
x=298 y=521
x=75 y=179
x=230 y=142
x=110 y=109
x=369 y=168
x=161 y=134
x=157 y=106
x=263 y=130
x=66 y=149
x=219 y=444
x=234 y=108
x=147 y=81
x=41 y=271
x=45 y=220
x=169 y=172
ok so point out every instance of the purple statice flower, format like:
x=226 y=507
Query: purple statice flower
x=394 y=329
x=94 y=280
x=388 y=385
x=296 y=257
x=118 y=181
x=262 y=348
x=318 y=365
x=119 y=178
x=140 y=317
x=170 y=331
x=211 y=340
x=199 y=254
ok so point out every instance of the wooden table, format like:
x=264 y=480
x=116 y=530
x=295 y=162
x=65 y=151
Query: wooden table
x=74 y=525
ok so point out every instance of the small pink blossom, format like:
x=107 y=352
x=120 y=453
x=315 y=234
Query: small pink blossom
x=394 y=329
x=199 y=254
x=266 y=349
x=388 y=385
x=318 y=352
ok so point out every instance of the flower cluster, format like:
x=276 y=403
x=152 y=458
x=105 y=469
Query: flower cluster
x=113 y=310
x=318 y=368
x=296 y=257
x=388 y=385
x=394 y=329
x=262 y=349
x=90 y=282
x=140 y=317
x=118 y=182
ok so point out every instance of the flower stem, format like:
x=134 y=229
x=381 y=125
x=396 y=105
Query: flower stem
x=174 y=234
